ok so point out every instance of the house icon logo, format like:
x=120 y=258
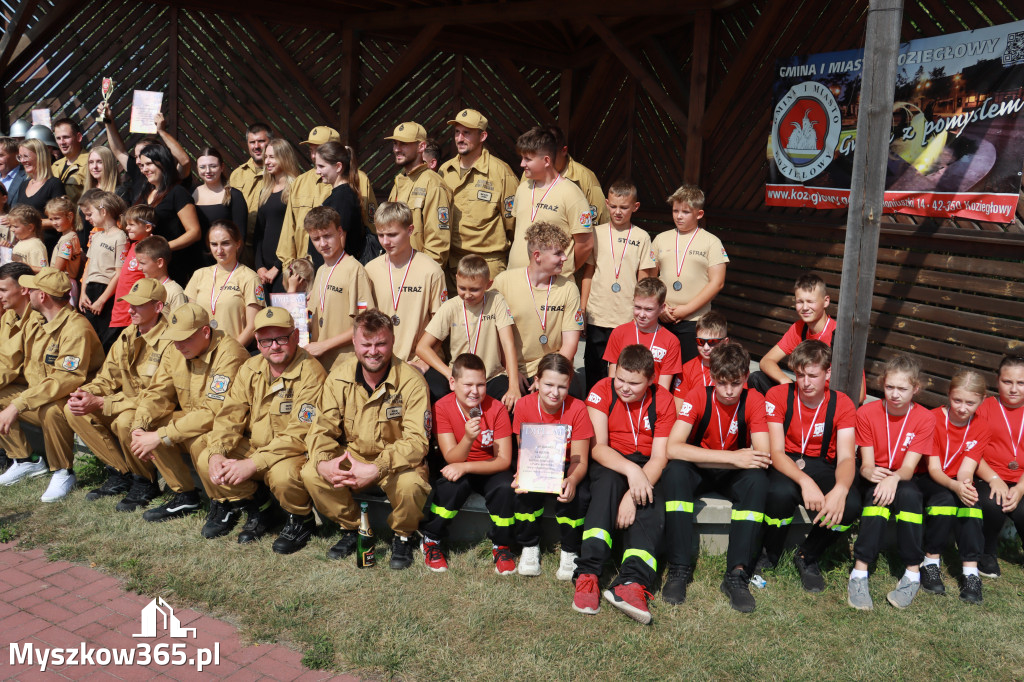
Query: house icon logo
x=150 y=618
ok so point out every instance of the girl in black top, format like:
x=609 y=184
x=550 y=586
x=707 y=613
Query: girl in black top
x=280 y=168
x=40 y=187
x=176 y=218
x=215 y=198
x=336 y=166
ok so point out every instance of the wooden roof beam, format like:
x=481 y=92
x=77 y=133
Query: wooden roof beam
x=518 y=85
x=14 y=30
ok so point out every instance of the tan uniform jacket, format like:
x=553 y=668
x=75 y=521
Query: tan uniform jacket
x=276 y=412
x=306 y=193
x=59 y=357
x=388 y=427
x=198 y=387
x=482 y=202
x=248 y=179
x=428 y=197
x=13 y=330
x=129 y=368
x=72 y=174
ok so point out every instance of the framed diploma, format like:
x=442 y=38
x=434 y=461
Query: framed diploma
x=542 y=457
x=295 y=304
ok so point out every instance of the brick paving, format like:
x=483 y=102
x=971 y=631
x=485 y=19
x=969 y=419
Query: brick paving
x=59 y=605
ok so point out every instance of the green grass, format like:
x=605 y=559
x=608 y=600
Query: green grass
x=469 y=623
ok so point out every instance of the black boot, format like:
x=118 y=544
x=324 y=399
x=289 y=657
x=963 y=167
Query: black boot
x=260 y=509
x=295 y=534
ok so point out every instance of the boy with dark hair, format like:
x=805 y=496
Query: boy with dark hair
x=154 y=256
x=730 y=460
x=632 y=417
x=432 y=154
x=712 y=330
x=648 y=304
x=475 y=436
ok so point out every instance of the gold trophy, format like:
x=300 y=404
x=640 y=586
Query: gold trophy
x=104 y=109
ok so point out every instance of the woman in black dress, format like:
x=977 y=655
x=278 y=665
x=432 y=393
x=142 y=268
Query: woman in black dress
x=40 y=187
x=335 y=165
x=215 y=198
x=176 y=218
x=280 y=168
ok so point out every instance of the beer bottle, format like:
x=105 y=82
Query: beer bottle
x=364 y=544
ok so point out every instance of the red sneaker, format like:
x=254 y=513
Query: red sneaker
x=631 y=599
x=504 y=560
x=587 y=599
x=433 y=557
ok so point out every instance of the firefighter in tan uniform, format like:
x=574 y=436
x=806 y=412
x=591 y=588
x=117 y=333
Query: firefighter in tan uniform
x=102 y=411
x=59 y=356
x=581 y=176
x=309 y=191
x=73 y=166
x=483 y=192
x=179 y=405
x=18 y=318
x=371 y=429
x=423 y=191
x=260 y=434
x=248 y=178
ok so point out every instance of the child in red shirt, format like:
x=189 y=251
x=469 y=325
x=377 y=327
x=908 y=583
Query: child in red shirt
x=999 y=474
x=475 y=437
x=632 y=417
x=552 y=404
x=813 y=446
x=719 y=443
x=646 y=330
x=893 y=434
x=139 y=222
x=712 y=330
x=949 y=493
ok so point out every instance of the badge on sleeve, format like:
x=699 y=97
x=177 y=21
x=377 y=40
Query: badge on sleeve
x=70 y=363
x=685 y=409
x=444 y=294
x=261 y=296
x=219 y=383
x=593 y=213
x=510 y=203
x=585 y=219
x=442 y=217
x=594 y=398
x=428 y=421
x=307 y=413
x=65 y=251
x=769 y=408
x=579 y=318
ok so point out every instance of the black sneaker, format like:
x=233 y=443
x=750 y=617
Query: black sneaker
x=261 y=515
x=179 y=505
x=810 y=574
x=116 y=484
x=763 y=563
x=736 y=587
x=401 y=553
x=295 y=534
x=970 y=589
x=988 y=566
x=142 y=492
x=344 y=547
x=222 y=519
x=931 y=579
x=677 y=578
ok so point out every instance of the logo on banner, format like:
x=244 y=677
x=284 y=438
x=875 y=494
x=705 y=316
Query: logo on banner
x=159 y=613
x=805 y=131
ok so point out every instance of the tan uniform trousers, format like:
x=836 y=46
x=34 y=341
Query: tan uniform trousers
x=57 y=435
x=406 y=490
x=110 y=439
x=495 y=263
x=284 y=480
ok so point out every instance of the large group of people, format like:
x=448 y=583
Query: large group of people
x=140 y=315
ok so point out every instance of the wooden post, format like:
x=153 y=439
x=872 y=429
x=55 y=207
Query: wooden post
x=565 y=102
x=172 y=90
x=460 y=63
x=867 y=188
x=698 y=96
x=347 y=89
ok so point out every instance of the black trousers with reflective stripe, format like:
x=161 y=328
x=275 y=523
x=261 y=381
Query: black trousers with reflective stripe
x=784 y=496
x=569 y=515
x=449 y=496
x=683 y=482
x=944 y=512
x=994 y=518
x=908 y=509
x=642 y=539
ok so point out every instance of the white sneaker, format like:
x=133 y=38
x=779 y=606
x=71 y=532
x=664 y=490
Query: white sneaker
x=22 y=469
x=61 y=484
x=566 y=565
x=529 y=561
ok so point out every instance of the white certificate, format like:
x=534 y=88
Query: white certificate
x=295 y=304
x=542 y=457
x=145 y=106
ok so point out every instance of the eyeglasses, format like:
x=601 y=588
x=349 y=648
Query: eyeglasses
x=279 y=340
x=708 y=342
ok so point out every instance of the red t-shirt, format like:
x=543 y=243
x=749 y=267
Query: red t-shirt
x=623 y=422
x=723 y=430
x=574 y=414
x=1002 y=439
x=693 y=374
x=663 y=344
x=953 y=443
x=451 y=418
x=794 y=335
x=917 y=428
x=809 y=421
x=130 y=274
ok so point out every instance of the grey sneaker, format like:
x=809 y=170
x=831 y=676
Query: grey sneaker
x=904 y=593
x=858 y=596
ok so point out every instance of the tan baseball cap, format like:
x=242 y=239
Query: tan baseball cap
x=409 y=132
x=274 y=317
x=144 y=291
x=322 y=135
x=471 y=118
x=185 y=321
x=48 y=280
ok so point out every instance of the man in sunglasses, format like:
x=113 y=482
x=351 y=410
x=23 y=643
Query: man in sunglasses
x=259 y=435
